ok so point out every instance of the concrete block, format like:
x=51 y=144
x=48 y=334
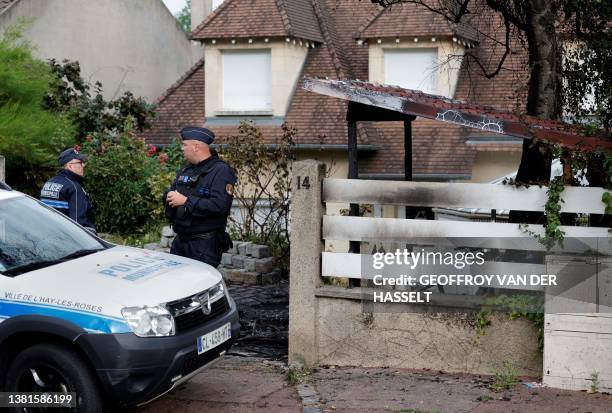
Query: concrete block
x=242 y=248
x=167 y=232
x=273 y=277
x=237 y=261
x=258 y=251
x=264 y=265
x=249 y=264
x=241 y=276
x=234 y=249
x=226 y=259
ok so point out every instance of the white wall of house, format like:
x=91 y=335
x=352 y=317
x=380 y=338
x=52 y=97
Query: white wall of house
x=437 y=74
x=278 y=83
x=126 y=45
x=491 y=165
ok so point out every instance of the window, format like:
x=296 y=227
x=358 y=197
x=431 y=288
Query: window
x=34 y=236
x=247 y=80
x=412 y=69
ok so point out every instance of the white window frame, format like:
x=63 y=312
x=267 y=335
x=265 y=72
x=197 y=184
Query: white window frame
x=246 y=86
x=427 y=58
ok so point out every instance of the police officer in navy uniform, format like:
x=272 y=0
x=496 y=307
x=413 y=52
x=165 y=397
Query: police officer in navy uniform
x=65 y=192
x=199 y=200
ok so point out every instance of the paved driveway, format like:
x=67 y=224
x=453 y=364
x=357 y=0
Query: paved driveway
x=233 y=385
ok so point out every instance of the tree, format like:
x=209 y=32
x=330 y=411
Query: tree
x=30 y=137
x=71 y=95
x=184 y=17
x=568 y=44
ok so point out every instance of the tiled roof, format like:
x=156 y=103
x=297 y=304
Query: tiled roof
x=5 y=4
x=181 y=105
x=438 y=148
x=259 y=18
x=408 y=19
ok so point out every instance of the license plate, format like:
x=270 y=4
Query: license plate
x=214 y=338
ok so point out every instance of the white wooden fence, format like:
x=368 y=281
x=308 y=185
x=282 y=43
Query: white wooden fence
x=310 y=263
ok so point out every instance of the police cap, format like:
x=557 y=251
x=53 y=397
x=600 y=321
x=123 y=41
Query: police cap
x=70 y=155
x=197 y=134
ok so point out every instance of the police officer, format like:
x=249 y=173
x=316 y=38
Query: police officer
x=65 y=192
x=199 y=200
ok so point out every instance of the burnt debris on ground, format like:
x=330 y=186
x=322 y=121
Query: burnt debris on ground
x=264 y=319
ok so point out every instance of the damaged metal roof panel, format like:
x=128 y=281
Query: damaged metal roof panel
x=457 y=112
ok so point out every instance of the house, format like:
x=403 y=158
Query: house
x=126 y=45
x=256 y=52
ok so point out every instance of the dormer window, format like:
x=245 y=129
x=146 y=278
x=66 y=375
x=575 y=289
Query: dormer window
x=413 y=68
x=247 y=80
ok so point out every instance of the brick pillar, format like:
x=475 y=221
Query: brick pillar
x=305 y=269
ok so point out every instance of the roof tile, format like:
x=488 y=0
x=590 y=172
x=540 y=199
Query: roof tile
x=261 y=18
x=438 y=148
x=408 y=19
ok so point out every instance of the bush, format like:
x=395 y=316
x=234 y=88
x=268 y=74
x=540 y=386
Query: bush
x=71 y=95
x=262 y=192
x=125 y=180
x=30 y=137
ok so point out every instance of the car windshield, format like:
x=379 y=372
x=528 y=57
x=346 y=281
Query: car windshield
x=33 y=236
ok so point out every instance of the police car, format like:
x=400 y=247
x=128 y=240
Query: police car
x=103 y=322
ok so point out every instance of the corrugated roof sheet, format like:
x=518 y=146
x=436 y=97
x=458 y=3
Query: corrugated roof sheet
x=458 y=112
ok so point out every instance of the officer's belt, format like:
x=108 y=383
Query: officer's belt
x=205 y=235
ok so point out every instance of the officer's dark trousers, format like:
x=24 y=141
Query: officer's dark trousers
x=203 y=248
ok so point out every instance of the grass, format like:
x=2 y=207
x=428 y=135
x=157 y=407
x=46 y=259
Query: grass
x=505 y=378
x=594 y=382
x=296 y=375
x=135 y=240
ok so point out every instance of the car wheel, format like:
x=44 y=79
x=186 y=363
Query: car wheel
x=53 y=368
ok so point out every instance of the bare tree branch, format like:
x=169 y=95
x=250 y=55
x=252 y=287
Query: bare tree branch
x=510 y=17
x=500 y=64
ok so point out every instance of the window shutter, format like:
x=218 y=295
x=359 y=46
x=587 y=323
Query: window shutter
x=412 y=69
x=247 y=80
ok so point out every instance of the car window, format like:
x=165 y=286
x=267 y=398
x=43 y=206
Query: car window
x=31 y=233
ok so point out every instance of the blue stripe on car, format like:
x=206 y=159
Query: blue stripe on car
x=90 y=321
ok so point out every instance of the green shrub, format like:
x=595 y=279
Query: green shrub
x=262 y=192
x=30 y=137
x=505 y=377
x=69 y=94
x=125 y=180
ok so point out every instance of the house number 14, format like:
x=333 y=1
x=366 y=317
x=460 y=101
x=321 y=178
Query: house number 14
x=303 y=183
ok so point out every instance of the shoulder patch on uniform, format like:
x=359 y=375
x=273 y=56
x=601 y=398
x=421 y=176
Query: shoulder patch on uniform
x=229 y=188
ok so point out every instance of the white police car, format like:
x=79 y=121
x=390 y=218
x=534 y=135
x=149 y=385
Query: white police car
x=108 y=323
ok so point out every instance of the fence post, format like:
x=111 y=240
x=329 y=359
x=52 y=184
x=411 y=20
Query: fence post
x=2 y=169
x=305 y=269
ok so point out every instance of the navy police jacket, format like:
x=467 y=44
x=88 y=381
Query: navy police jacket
x=209 y=188
x=65 y=193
